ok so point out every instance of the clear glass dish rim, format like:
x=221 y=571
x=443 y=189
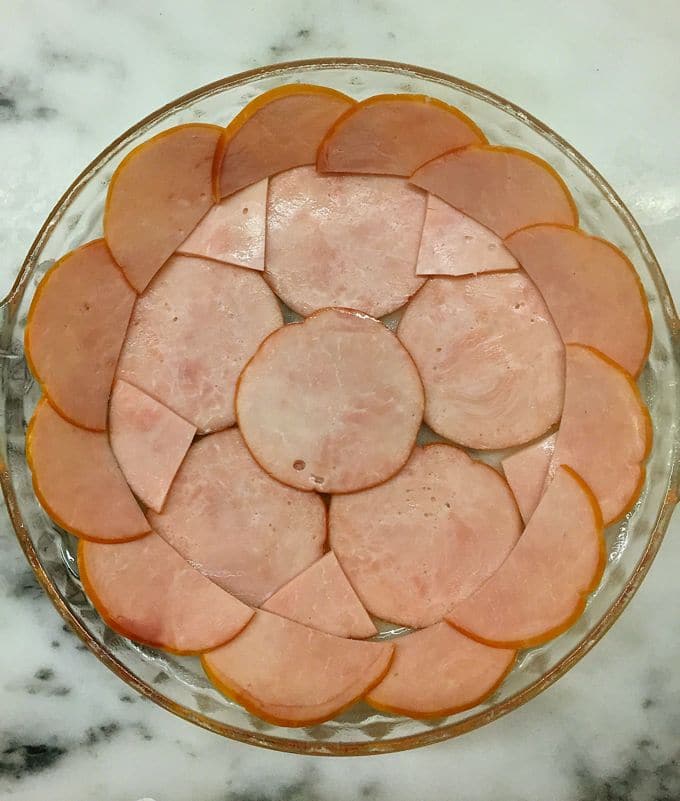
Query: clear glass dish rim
x=475 y=721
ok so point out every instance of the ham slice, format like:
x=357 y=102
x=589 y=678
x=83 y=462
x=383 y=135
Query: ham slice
x=592 y=290
x=149 y=442
x=235 y=524
x=395 y=134
x=491 y=359
x=278 y=130
x=157 y=196
x=438 y=671
x=75 y=330
x=541 y=588
x=322 y=598
x=343 y=240
x=77 y=480
x=233 y=231
x=292 y=675
x=332 y=404
x=426 y=539
x=502 y=188
x=146 y=591
x=526 y=471
x=192 y=332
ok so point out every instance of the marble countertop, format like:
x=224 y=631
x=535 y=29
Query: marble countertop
x=73 y=75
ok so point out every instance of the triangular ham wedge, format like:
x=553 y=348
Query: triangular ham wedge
x=291 y=675
x=526 y=471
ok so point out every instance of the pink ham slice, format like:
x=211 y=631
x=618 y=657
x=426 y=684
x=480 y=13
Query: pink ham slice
x=149 y=442
x=395 y=134
x=157 y=196
x=146 y=591
x=454 y=244
x=279 y=130
x=233 y=231
x=426 y=539
x=605 y=433
x=592 y=290
x=76 y=326
x=292 y=675
x=343 y=240
x=235 y=524
x=332 y=404
x=78 y=481
x=192 y=332
x=502 y=188
x=526 y=471
x=541 y=588
x=491 y=359
x=438 y=671
x=322 y=598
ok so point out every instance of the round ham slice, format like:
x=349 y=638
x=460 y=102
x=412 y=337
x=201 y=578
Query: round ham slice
x=526 y=471
x=332 y=404
x=343 y=240
x=395 y=134
x=77 y=480
x=75 y=330
x=416 y=545
x=235 y=524
x=292 y=675
x=491 y=359
x=146 y=591
x=278 y=130
x=502 y=188
x=438 y=671
x=157 y=196
x=322 y=598
x=192 y=332
x=592 y=290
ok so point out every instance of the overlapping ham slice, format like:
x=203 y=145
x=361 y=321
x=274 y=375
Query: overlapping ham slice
x=191 y=333
x=322 y=598
x=343 y=240
x=278 y=130
x=502 y=188
x=491 y=359
x=332 y=404
x=438 y=671
x=146 y=591
x=426 y=539
x=592 y=290
x=394 y=134
x=157 y=196
x=292 y=675
x=541 y=588
x=526 y=471
x=75 y=330
x=235 y=524
x=78 y=481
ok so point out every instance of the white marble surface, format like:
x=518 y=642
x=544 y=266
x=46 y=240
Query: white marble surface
x=75 y=73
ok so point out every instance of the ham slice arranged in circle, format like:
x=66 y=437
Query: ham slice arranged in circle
x=78 y=481
x=394 y=135
x=235 y=524
x=291 y=675
x=426 y=539
x=322 y=598
x=526 y=471
x=192 y=332
x=439 y=671
x=146 y=591
x=343 y=240
x=502 y=188
x=332 y=404
x=541 y=588
x=75 y=330
x=592 y=290
x=157 y=196
x=491 y=359
x=278 y=130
